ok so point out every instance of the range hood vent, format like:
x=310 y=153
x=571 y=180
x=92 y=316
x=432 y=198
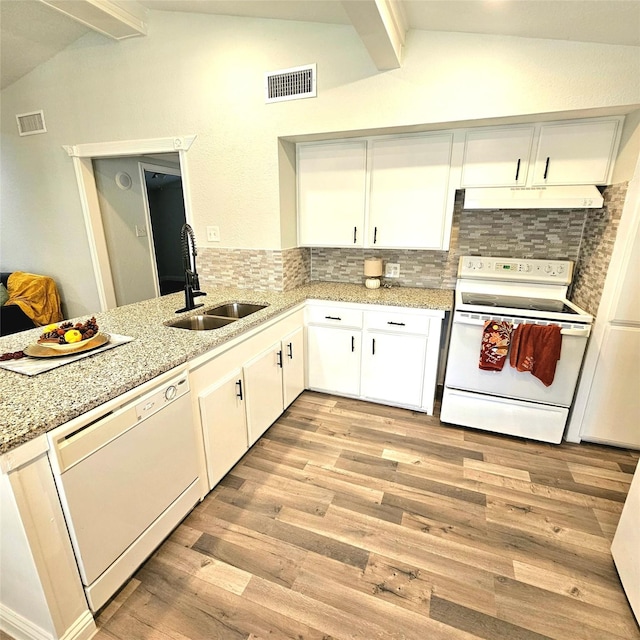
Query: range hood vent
x=571 y=197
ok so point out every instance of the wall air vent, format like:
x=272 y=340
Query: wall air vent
x=31 y=123
x=290 y=84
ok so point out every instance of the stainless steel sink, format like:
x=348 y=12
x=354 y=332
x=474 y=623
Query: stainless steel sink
x=201 y=323
x=235 y=310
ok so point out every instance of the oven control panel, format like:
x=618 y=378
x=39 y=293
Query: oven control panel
x=517 y=269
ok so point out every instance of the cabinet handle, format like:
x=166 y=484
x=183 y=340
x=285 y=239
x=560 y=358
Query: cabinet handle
x=280 y=358
x=546 y=168
x=375 y=234
x=353 y=344
x=355 y=234
x=397 y=324
x=290 y=348
x=518 y=169
x=239 y=385
x=332 y=318
x=373 y=346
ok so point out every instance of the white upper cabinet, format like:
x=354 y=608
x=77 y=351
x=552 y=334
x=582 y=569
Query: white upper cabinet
x=580 y=152
x=331 y=194
x=409 y=192
x=497 y=157
x=389 y=192
x=397 y=192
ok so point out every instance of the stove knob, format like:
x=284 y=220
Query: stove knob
x=560 y=268
x=547 y=268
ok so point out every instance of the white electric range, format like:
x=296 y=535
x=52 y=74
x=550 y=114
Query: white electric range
x=516 y=291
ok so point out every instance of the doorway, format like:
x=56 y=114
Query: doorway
x=142 y=210
x=164 y=202
x=83 y=156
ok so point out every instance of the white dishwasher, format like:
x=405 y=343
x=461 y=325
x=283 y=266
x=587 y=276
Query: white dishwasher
x=125 y=480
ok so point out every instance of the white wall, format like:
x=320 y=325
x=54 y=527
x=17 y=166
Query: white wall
x=203 y=75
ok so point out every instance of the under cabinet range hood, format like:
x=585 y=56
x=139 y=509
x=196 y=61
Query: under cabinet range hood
x=571 y=197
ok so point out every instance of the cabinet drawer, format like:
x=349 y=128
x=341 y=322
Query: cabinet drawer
x=397 y=322
x=334 y=316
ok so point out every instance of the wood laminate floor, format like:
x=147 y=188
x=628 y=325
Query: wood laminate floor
x=350 y=520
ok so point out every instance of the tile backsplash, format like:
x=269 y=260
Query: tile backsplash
x=261 y=269
x=540 y=233
x=601 y=227
x=585 y=236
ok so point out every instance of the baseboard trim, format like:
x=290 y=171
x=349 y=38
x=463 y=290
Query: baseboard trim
x=20 y=628
x=82 y=629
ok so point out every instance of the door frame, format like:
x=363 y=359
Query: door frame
x=82 y=156
x=157 y=168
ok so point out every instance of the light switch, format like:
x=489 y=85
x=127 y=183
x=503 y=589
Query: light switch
x=213 y=234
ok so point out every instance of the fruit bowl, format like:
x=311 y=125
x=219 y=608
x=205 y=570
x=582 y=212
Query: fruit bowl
x=69 y=337
x=71 y=346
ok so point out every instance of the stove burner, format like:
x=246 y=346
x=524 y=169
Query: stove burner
x=516 y=302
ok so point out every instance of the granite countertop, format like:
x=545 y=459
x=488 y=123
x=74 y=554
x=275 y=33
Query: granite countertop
x=30 y=406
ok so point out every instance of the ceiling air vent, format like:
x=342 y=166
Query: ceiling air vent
x=31 y=123
x=290 y=84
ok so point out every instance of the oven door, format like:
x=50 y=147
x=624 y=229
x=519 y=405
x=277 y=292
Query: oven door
x=464 y=373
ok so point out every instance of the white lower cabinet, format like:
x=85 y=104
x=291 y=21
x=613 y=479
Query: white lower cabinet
x=388 y=355
x=292 y=366
x=393 y=368
x=263 y=376
x=333 y=356
x=274 y=379
x=222 y=410
x=241 y=391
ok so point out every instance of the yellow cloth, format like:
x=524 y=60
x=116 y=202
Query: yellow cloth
x=36 y=295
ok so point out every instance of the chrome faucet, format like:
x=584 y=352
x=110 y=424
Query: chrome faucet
x=192 y=281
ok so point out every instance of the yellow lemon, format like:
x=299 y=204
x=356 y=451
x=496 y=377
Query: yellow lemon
x=73 y=335
x=50 y=327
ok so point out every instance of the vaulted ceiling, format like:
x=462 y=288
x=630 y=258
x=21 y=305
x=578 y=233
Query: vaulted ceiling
x=32 y=31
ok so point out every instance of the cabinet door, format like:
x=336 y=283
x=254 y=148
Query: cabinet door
x=393 y=368
x=263 y=381
x=576 y=153
x=496 y=157
x=333 y=360
x=409 y=187
x=293 y=366
x=224 y=424
x=612 y=411
x=331 y=194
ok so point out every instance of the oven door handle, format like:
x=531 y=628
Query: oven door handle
x=580 y=332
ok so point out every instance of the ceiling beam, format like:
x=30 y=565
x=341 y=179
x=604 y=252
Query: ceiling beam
x=382 y=26
x=112 y=18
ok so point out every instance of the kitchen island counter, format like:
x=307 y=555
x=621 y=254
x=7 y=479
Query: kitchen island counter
x=31 y=406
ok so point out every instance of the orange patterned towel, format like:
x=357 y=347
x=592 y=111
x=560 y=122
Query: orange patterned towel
x=494 y=347
x=36 y=295
x=536 y=348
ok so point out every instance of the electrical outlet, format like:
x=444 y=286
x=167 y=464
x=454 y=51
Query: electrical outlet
x=213 y=234
x=392 y=270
